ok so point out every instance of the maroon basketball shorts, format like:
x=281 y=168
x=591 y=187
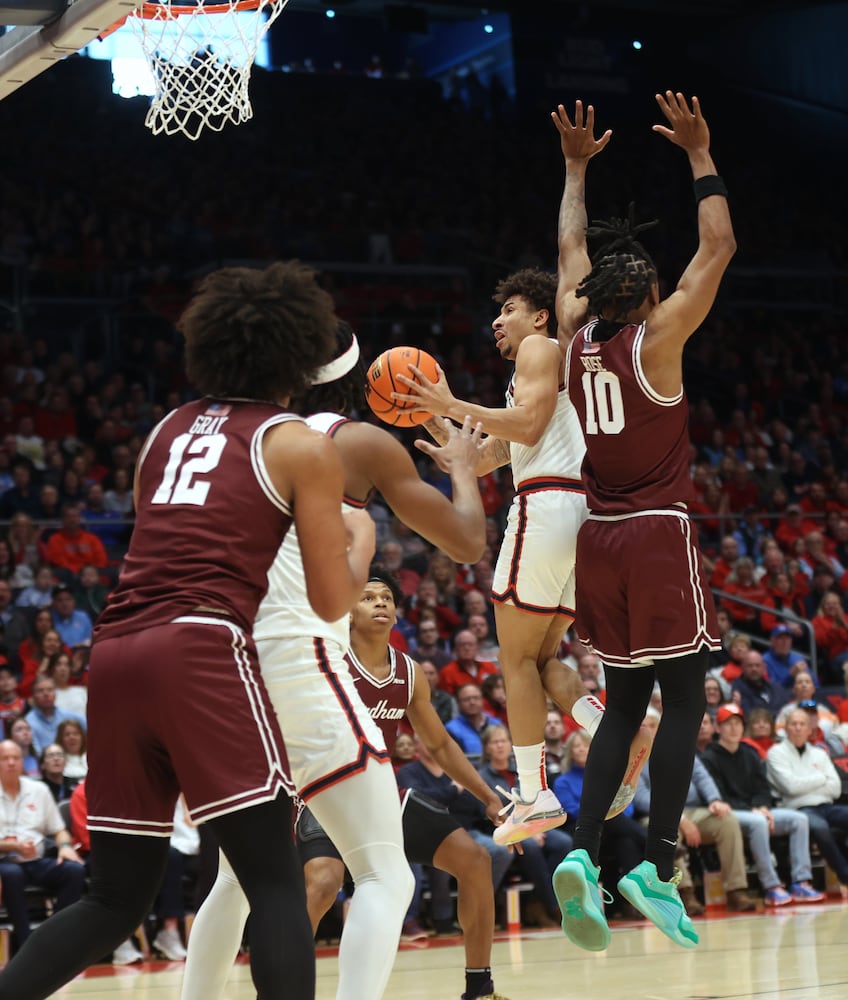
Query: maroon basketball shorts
x=177 y=708
x=641 y=591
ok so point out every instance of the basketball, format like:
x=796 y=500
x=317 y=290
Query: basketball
x=382 y=382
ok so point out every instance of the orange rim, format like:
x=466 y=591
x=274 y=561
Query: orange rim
x=152 y=11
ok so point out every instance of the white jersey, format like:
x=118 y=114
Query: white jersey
x=285 y=611
x=560 y=450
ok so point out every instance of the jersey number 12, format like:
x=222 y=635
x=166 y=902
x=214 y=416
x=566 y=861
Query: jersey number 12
x=205 y=455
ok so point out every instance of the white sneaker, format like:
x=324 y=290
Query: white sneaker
x=126 y=954
x=525 y=819
x=168 y=943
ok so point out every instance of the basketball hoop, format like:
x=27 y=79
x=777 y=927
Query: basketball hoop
x=200 y=55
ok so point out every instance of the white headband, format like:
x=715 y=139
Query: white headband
x=339 y=366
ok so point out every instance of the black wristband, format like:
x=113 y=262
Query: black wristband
x=709 y=185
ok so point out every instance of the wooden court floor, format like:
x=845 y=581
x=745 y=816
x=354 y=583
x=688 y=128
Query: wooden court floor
x=797 y=953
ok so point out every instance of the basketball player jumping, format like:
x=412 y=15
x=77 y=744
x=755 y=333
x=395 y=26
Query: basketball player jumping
x=644 y=607
x=533 y=588
x=338 y=755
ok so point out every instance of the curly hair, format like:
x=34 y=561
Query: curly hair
x=622 y=270
x=347 y=394
x=258 y=334
x=536 y=287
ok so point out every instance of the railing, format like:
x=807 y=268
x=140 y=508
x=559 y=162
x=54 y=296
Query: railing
x=787 y=616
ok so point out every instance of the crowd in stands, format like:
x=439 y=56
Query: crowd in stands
x=768 y=390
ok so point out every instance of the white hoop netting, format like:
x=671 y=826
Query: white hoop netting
x=200 y=56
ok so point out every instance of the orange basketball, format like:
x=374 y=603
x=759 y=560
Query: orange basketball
x=382 y=382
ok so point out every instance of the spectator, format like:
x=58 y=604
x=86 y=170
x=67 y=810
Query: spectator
x=71 y=547
x=591 y=672
x=25 y=540
x=760 y=731
x=554 y=744
x=706 y=819
x=23 y=496
x=831 y=631
x=39 y=648
x=12 y=705
x=754 y=690
x=741 y=779
x=783 y=595
x=40 y=593
x=723 y=566
x=468 y=726
x=487 y=647
x=427 y=643
x=74 y=626
x=803 y=690
x=750 y=533
x=781 y=661
x=466 y=667
x=89 y=593
x=404 y=750
x=426 y=596
x=52 y=764
x=442 y=702
x=823 y=582
x=31 y=817
x=71 y=698
x=542 y=852
x=731 y=669
x=119 y=499
x=14 y=624
x=391 y=559
x=444 y=571
x=494 y=697
x=44 y=717
x=742 y=583
x=803 y=777
x=20 y=732
x=791 y=527
x=70 y=735
x=713 y=695
x=108 y=525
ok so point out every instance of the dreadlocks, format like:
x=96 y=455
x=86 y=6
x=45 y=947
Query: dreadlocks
x=622 y=271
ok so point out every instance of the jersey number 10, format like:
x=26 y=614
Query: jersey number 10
x=604 y=405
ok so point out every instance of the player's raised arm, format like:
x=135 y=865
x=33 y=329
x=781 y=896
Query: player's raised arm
x=579 y=145
x=676 y=319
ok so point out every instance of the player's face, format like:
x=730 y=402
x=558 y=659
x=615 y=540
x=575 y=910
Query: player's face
x=515 y=321
x=375 y=609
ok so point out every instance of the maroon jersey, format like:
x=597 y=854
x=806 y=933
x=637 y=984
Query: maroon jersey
x=388 y=699
x=637 y=442
x=209 y=520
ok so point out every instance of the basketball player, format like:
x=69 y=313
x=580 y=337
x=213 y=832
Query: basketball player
x=218 y=483
x=644 y=606
x=533 y=588
x=337 y=754
x=391 y=687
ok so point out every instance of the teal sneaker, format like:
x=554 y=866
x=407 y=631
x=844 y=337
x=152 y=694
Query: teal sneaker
x=579 y=896
x=660 y=902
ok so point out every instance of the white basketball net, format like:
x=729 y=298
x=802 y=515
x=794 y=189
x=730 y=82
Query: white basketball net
x=201 y=55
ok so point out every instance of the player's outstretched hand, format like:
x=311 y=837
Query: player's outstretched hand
x=464 y=445
x=578 y=140
x=428 y=397
x=688 y=127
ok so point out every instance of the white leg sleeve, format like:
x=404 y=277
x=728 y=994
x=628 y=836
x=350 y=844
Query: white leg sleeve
x=361 y=815
x=215 y=937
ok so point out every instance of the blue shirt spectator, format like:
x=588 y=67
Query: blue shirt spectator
x=44 y=717
x=781 y=660
x=74 y=626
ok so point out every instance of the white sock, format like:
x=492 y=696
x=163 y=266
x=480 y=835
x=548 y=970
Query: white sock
x=587 y=712
x=530 y=762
